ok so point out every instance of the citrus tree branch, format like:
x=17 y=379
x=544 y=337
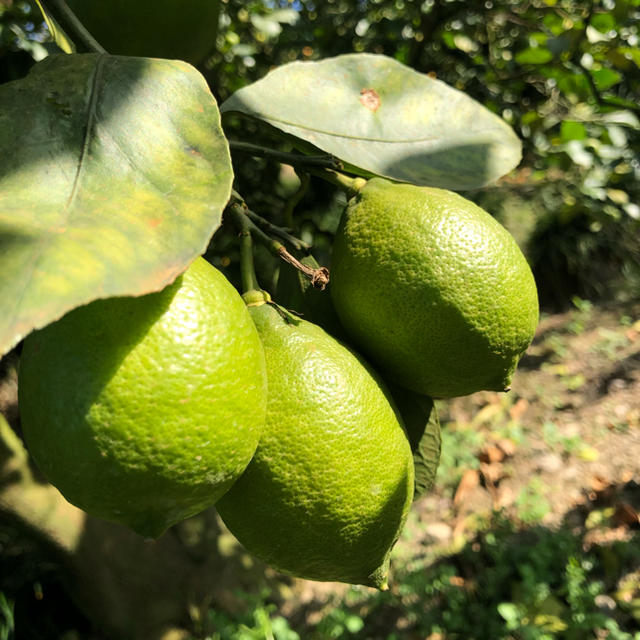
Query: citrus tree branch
x=295 y=159
x=278 y=232
x=62 y=14
x=239 y=213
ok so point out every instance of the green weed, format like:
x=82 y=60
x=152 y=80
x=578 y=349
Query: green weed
x=256 y=622
x=7 y=626
x=460 y=446
x=610 y=343
x=531 y=503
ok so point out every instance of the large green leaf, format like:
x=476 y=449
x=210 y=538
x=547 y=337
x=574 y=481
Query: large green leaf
x=383 y=118
x=113 y=175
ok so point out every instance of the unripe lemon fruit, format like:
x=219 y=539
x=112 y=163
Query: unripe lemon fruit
x=330 y=486
x=433 y=289
x=145 y=410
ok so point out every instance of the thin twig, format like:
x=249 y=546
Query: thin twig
x=247 y=268
x=319 y=277
x=295 y=159
x=269 y=227
x=278 y=232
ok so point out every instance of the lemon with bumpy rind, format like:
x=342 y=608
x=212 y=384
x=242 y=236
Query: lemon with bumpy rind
x=330 y=486
x=433 y=289
x=145 y=410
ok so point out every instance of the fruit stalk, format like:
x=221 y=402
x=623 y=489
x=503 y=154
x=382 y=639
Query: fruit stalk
x=276 y=231
x=348 y=184
x=247 y=267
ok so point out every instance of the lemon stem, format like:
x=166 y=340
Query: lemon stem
x=247 y=268
x=348 y=184
x=268 y=227
x=239 y=211
x=59 y=11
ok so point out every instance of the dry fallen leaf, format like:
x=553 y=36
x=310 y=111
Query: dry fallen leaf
x=470 y=480
x=491 y=454
x=625 y=514
x=518 y=409
x=508 y=446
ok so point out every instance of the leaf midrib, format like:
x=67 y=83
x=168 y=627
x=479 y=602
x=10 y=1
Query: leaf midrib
x=66 y=213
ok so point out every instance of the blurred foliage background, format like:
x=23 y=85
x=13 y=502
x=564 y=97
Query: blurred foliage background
x=565 y=74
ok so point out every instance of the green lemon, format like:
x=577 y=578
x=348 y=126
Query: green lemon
x=433 y=289
x=145 y=410
x=331 y=483
x=183 y=29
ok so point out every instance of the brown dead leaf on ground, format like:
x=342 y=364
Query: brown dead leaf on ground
x=470 y=480
x=491 y=454
x=508 y=446
x=518 y=409
x=625 y=514
x=492 y=474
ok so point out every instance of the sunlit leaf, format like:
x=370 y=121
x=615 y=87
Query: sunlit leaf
x=383 y=118
x=536 y=55
x=113 y=175
x=570 y=130
x=606 y=78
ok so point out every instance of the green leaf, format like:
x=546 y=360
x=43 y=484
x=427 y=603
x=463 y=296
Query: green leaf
x=113 y=175
x=57 y=34
x=603 y=22
x=606 y=78
x=535 y=55
x=631 y=53
x=570 y=130
x=509 y=611
x=383 y=118
x=422 y=425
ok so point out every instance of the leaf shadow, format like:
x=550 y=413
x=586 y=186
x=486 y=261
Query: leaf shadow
x=457 y=167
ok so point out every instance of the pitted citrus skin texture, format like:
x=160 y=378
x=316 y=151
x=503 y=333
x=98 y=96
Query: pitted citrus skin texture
x=330 y=486
x=433 y=289
x=145 y=410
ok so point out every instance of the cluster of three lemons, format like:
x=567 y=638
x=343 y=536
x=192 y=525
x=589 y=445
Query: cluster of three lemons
x=147 y=410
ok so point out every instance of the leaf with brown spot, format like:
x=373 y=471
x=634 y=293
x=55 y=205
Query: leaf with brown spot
x=382 y=118
x=113 y=175
x=370 y=99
